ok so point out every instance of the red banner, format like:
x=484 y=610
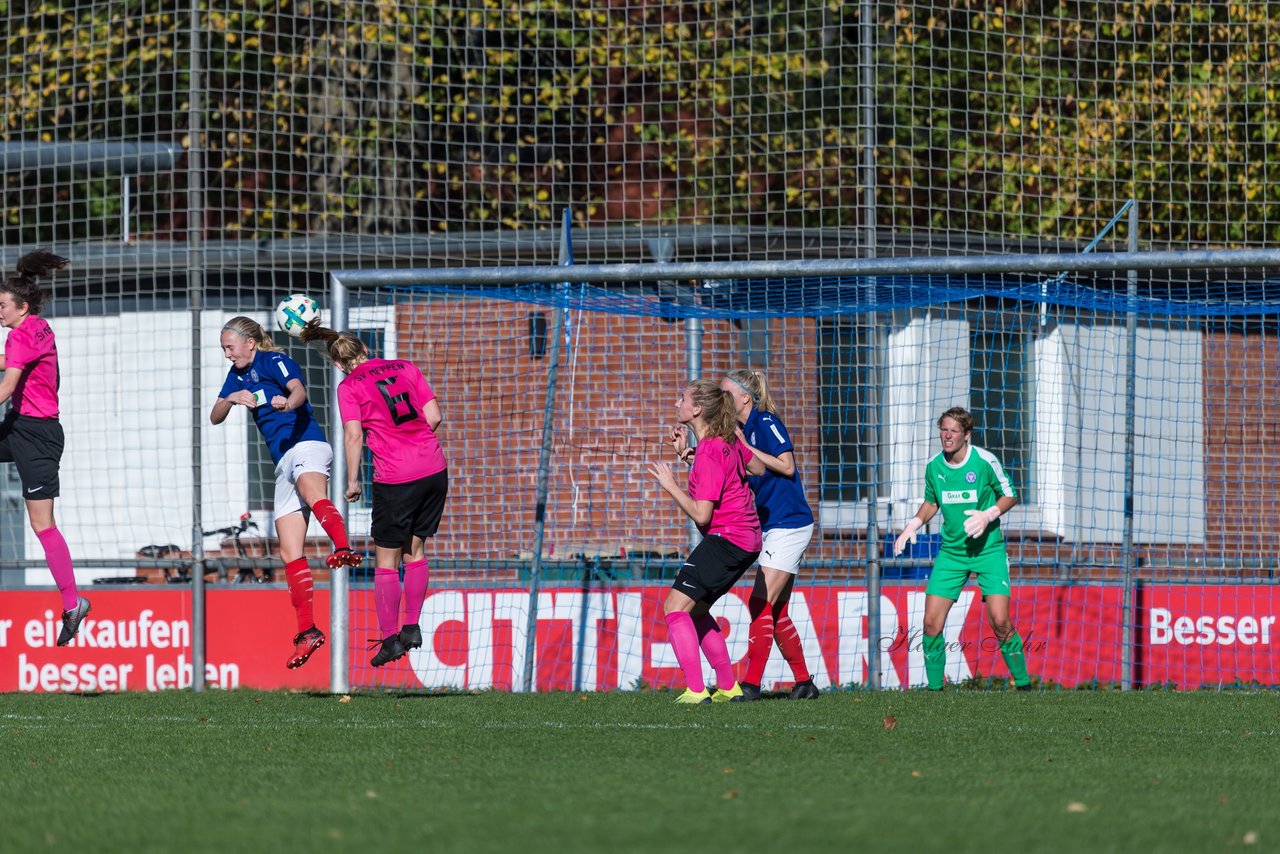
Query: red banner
x=1208 y=636
x=615 y=638
x=140 y=640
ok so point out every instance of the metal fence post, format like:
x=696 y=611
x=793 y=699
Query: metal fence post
x=544 y=464
x=340 y=578
x=1130 y=417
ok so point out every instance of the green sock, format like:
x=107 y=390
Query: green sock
x=935 y=660
x=1011 y=649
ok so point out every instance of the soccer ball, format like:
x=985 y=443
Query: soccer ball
x=294 y=312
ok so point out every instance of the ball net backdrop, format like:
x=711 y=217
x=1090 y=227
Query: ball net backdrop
x=200 y=165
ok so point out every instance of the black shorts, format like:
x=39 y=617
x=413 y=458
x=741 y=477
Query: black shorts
x=402 y=511
x=35 y=446
x=714 y=566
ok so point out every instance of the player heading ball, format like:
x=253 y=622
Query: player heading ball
x=269 y=384
x=389 y=404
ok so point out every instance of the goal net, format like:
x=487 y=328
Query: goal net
x=1129 y=412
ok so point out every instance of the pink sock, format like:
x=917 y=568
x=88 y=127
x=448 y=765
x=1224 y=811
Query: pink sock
x=386 y=598
x=684 y=640
x=58 y=556
x=416 y=575
x=715 y=649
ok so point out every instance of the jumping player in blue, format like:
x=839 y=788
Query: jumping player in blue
x=268 y=383
x=787 y=523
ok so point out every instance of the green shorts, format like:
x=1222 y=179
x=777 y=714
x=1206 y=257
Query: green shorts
x=950 y=572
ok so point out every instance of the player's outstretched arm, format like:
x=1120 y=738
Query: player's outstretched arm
x=913 y=526
x=9 y=383
x=784 y=465
x=221 y=407
x=432 y=415
x=353 y=445
x=698 y=511
x=977 y=521
x=297 y=397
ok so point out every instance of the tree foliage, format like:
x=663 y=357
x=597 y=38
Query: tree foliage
x=382 y=117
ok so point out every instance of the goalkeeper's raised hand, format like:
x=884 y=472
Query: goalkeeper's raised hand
x=979 y=520
x=908 y=535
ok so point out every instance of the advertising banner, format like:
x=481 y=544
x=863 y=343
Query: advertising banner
x=614 y=638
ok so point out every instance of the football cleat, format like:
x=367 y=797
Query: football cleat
x=750 y=692
x=305 y=643
x=698 y=697
x=343 y=557
x=391 y=650
x=805 y=690
x=1026 y=687
x=411 y=636
x=71 y=621
x=733 y=695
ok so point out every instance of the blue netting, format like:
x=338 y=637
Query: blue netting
x=808 y=297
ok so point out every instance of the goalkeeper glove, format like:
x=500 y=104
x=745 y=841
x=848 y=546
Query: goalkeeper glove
x=979 y=521
x=908 y=535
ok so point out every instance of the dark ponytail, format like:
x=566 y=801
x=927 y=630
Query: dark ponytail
x=25 y=285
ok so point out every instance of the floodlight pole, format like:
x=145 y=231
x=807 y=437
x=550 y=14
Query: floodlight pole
x=339 y=578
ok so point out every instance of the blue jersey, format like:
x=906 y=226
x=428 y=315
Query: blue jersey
x=780 y=501
x=267 y=376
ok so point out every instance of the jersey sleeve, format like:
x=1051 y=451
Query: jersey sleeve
x=22 y=348
x=773 y=437
x=930 y=494
x=348 y=402
x=1002 y=484
x=706 y=478
x=284 y=370
x=229 y=385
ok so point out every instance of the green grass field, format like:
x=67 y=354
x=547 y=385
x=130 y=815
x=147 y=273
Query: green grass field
x=962 y=771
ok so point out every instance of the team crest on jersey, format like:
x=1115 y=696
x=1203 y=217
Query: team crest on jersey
x=253 y=374
x=970 y=477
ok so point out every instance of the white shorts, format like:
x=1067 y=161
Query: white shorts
x=784 y=548
x=300 y=459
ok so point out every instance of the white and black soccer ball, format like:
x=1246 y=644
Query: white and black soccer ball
x=294 y=312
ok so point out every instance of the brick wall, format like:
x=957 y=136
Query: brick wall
x=1241 y=431
x=616 y=392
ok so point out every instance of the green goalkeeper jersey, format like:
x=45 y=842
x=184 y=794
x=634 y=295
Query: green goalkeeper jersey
x=974 y=484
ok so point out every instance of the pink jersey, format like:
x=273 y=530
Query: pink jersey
x=31 y=347
x=719 y=475
x=386 y=397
